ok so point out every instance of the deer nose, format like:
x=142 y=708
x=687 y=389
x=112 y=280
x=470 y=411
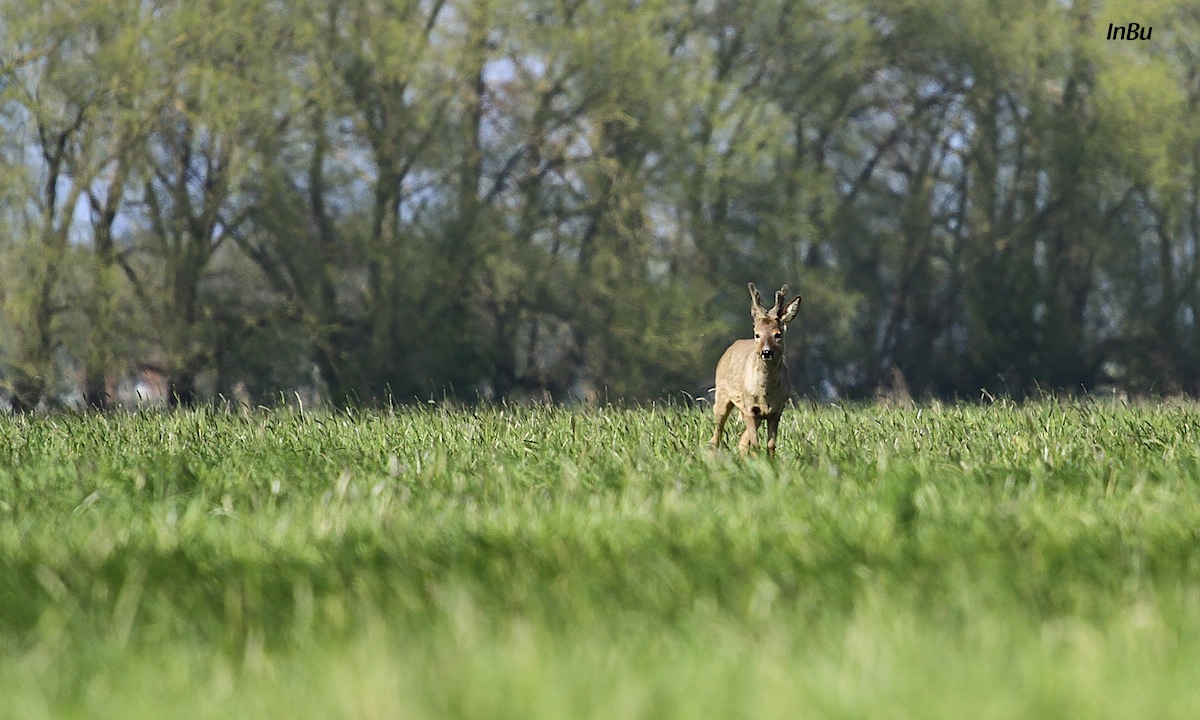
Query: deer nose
x=768 y=353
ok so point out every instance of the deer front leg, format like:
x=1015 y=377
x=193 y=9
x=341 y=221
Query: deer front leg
x=721 y=408
x=750 y=436
x=772 y=431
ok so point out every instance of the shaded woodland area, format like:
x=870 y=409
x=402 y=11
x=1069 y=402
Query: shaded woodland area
x=368 y=201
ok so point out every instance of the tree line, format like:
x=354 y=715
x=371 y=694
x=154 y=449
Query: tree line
x=393 y=199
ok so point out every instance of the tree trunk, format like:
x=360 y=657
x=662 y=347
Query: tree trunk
x=181 y=389
x=27 y=393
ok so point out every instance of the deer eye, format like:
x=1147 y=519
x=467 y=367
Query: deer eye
x=778 y=335
x=757 y=335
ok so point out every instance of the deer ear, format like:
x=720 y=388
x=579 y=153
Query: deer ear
x=790 y=310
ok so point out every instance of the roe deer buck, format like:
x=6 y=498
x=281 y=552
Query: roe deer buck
x=752 y=374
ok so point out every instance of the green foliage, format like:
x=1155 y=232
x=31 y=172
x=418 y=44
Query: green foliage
x=1028 y=560
x=545 y=199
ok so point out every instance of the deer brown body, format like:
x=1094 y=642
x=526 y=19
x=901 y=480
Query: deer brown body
x=752 y=374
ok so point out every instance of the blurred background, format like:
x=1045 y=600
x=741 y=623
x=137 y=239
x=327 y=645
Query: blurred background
x=361 y=201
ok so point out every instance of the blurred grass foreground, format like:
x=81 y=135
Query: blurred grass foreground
x=1034 y=560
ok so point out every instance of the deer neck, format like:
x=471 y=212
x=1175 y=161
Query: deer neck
x=763 y=374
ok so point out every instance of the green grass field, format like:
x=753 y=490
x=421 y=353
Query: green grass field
x=1004 y=561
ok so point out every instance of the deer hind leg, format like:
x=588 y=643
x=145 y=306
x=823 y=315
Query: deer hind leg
x=772 y=431
x=721 y=408
x=750 y=435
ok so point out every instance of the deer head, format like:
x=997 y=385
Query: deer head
x=769 y=325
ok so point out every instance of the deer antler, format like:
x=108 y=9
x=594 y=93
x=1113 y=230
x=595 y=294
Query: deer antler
x=756 y=306
x=779 y=298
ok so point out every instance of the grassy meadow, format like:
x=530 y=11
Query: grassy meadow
x=997 y=561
